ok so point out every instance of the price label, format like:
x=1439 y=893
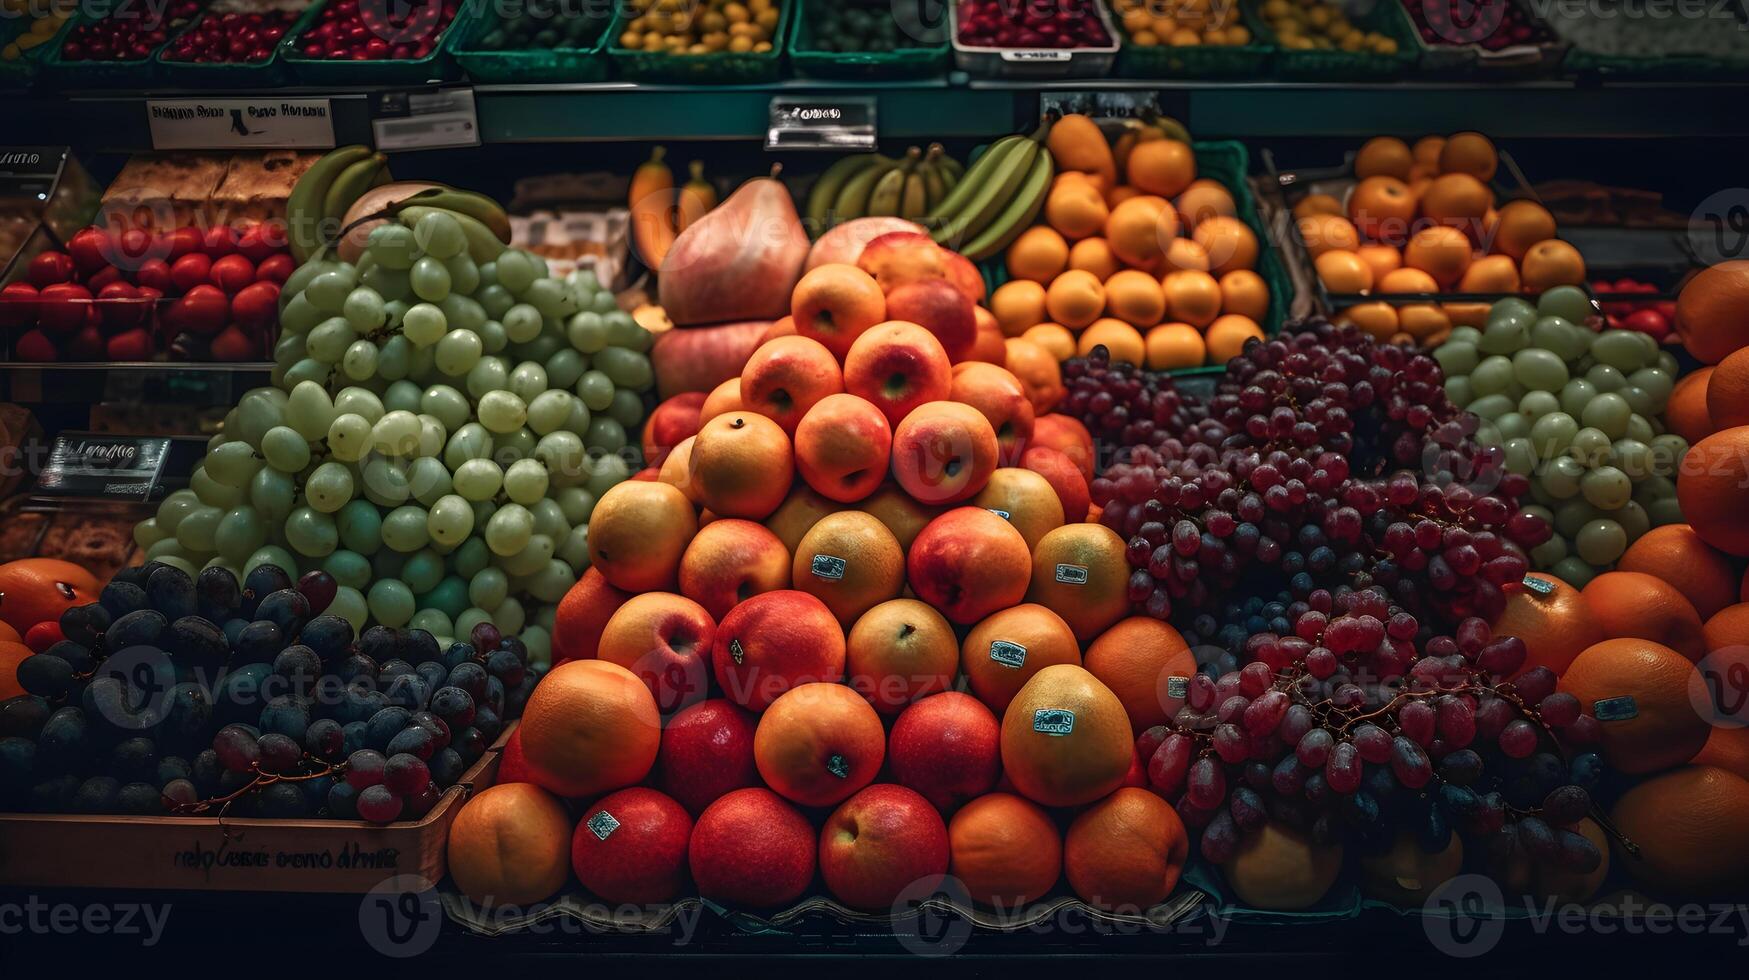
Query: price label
x=30 y=171
x=844 y=122
x=426 y=120
x=226 y=124
x=1038 y=54
x=112 y=467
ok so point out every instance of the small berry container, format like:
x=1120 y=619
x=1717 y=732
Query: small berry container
x=268 y=73
x=66 y=68
x=1539 y=53
x=1036 y=62
x=435 y=65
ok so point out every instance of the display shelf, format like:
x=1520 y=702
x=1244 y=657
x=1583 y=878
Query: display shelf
x=958 y=107
x=144 y=367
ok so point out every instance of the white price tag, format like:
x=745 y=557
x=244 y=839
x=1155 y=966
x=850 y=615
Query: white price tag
x=1038 y=54
x=427 y=120
x=227 y=124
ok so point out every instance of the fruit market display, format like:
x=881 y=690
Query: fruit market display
x=1450 y=24
x=240 y=36
x=443 y=419
x=1424 y=219
x=348 y=30
x=172 y=695
x=1580 y=413
x=679 y=27
x=1149 y=23
x=129 y=32
x=44 y=23
x=867 y=185
x=1653 y=316
x=1316 y=25
x=1135 y=252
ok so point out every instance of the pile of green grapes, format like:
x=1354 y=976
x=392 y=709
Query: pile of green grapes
x=1580 y=413
x=443 y=418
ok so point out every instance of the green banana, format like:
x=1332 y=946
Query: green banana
x=914 y=202
x=952 y=168
x=483 y=245
x=934 y=186
x=970 y=181
x=303 y=206
x=825 y=190
x=852 y=200
x=348 y=187
x=475 y=205
x=884 y=200
x=1018 y=215
x=992 y=194
x=1173 y=129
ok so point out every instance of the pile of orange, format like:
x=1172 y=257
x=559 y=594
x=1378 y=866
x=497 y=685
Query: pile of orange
x=1424 y=219
x=1136 y=252
x=1710 y=408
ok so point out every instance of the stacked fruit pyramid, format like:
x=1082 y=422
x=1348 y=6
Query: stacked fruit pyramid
x=1135 y=253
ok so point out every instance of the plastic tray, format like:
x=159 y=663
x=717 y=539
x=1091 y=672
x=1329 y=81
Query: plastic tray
x=1518 y=60
x=61 y=73
x=260 y=74
x=390 y=71
x=1035 y=62
x=529 y=65
x=1199 y=61
x=1335 y=65
x=810 y=62
x=21 y=71
x=714 y=68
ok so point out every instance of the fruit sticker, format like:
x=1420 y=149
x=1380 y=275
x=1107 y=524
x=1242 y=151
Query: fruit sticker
x=1177 y=687
x=602 y=825
x=828 y=567
x=1007 y=654
x=838 y=766
x=735 y=651
x=1072 y=574
x=1541 y=586
x=999 y=512
x=1053 y=721
x=1616 y=709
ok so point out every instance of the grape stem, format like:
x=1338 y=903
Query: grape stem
x=261 y=781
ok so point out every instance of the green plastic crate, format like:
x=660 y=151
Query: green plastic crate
x=1336 y=65
x=1227 y=162
x=504 y=67
x=810 y=62
x=1665 y=68
x=21 y=71
x=714 y=68
x=213 y=77
x=390 y=71
x=1197 y=61
x=60 y=73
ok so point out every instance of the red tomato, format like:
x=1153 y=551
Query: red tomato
x=90 y=248
x=256 y=305
x=183 y=241
x=119 y=305
x=43 y=635
x=255 y=242
x=201 y=310
x=219 y=241
x=135 y=247
x=190 y=271
x=50 y=268
x=18 y=305
x=276 y=268
x=103 y=277
x=155 y=273
x=1648 y=321
x=232 y=272
x=34 y=345
x=64 y=307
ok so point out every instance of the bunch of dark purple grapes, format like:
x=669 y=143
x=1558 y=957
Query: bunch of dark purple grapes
x=1322 y=459
x=180 y=695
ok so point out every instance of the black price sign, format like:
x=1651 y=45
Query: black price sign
x=838 y=123
x=112 y=467
x=30 y=171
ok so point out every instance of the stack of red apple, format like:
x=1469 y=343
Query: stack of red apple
x=1656 y=317
x=194 y=294
x=853 y=618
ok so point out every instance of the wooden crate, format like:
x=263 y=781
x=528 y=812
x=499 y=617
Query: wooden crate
x=236 y=854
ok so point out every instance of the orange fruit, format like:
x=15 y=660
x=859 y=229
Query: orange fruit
x=1038 y=373
x=1688 y=825
x=1709 y=487
x=1677 y=555
x=1382 y=208
x=1378 y=319
x=899 y=651
x=1038 y=254
x=725 y=397
x=850 y=562
x=1024 y=499
x=1425 y=152
x=1648 y=720
x=1192 y=297
x=1075 y=299
x=1204 y=198
x=1122 y=340
x=589 y=727
x=1227 y=336
x=1343 y=272
x=1229 y=242
x=38 y=590
x=1053 y=337
x=1727 y=391
x=1245 y=292
x=1712 y=311
x=1094 y=255
x=1279 y=867
x=1161 y=167
x=1018 y=304
x=798 y=512
x=11 y=655
x=1075 y=206
x=1469 y=153
x=1458 y=200
x=1175 y=345
x=1727 y=748
x=1382 y=259
x=638 y=531
x=1183 y=253
x=742 y=465
x=1323 y=232
x=1489 y=274
x=1065 y=738
x=819 y=743
x=1441 y=252
x=1518 y=226
x=1145 y=662
x=1641 y=606
x=1423 y=321
x=1554 y=621
x=1135 y=297
x=1317 y=204
x=1552 y=263
x=8 y=634
x=510 y=845
x=1079 y=572
x=1407 y=280
x=1686 y=411
x=1126 y=851
x=1139 y=228
x=1007 y=648
x=1005 y=850
x=1729 y=627
x=1385 y=155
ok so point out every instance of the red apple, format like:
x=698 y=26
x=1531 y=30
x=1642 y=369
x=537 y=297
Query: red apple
x=201 y=310
x=752 y=848
x=255 y=242
x=119 y=306
x=700 y=358
x=947 y=748
x=706 y=752
x=630 y=847
x=884 y=842
x=155 y=272
x=219 y=241
x=672 y=421
x=939 y=307
x=256 y=305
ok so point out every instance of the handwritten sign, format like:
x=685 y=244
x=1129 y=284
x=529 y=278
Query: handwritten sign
x=113 y=467
x=228 y=124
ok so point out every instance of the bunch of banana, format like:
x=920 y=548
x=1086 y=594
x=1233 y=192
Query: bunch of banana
x=316 y=210
x=997 y=198
x=867 y=185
